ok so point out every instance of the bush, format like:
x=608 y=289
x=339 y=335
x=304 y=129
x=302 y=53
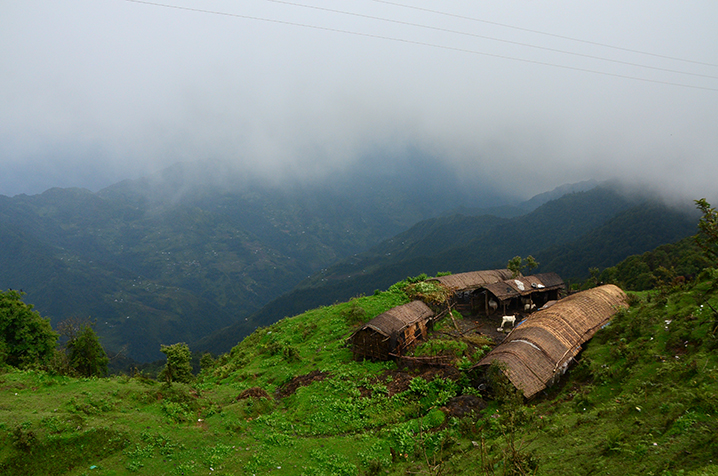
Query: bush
x=354 y=314
x=26 y=339
x=178 y=367
x=86 y=355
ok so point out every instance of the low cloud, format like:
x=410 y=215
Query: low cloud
x=96 y=93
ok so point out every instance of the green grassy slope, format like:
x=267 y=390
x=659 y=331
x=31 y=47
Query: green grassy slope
x=290 y=400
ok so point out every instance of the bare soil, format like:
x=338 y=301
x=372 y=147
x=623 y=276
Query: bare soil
x=300 y=381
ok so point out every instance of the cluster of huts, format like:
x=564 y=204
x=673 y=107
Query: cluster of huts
x=534 y=354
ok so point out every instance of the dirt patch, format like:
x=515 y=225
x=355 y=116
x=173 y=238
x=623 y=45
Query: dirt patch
x=481 y=325
x=254 y=392
x=463 y=405
x=300 y=381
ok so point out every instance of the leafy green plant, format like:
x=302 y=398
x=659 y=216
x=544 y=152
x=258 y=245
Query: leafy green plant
x=354 y=313
x=178 y=367
x=707 y=239
x=26 y=339
x=445 y=347
x=86 y=355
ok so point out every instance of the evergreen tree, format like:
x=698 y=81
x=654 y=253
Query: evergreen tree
x=26 y=339
x=178 y=367
x=86 y=355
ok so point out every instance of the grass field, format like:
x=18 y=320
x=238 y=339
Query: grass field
x=290 y=400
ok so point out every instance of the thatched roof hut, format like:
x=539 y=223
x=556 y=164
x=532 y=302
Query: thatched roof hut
x=392 y=332
x=539 y=350
x=473 y=280
x=540 y=287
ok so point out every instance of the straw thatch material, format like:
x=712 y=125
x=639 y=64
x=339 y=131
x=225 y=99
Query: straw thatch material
x=538 y=351
x=525 y=285
x=391 y=332
x=549 y=280
x=473 y=279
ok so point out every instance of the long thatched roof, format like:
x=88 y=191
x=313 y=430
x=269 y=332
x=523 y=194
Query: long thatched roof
x=536 y=352
x=398 y=318
x=473 y=279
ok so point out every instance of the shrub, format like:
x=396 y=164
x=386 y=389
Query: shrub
x=86 y=355
x=178 y=367
x=354 y=314
x=26 y=339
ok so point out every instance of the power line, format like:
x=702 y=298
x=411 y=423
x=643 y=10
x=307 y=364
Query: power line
x=419 y=43
x=474 y=35
x=538 y=32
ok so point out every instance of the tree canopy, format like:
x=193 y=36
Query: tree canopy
x=178 y=367
x=26 y=339
x=516 y=264
x=85 y=353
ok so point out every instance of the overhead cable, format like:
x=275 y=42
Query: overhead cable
x=474 y=35
x=538 y=32
x=420 y=43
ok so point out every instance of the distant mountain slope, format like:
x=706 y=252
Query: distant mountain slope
x=181 y=254
x=598 y=228
x=636 y=230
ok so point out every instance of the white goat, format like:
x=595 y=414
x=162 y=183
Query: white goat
x=507 y=320
x=493 y=305
x=529 y=307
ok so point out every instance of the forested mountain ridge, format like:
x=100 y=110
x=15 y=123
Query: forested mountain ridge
x=183 y=254
x=569 y=235
x=178 y=255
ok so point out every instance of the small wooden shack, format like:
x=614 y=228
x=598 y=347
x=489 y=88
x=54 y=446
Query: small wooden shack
x=537 y=352
x=468 y=287
x=391 y=333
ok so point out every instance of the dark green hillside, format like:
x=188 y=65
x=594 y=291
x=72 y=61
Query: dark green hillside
x=196 y=247
x=597 y=228
x=289 y=399
x=666 y=265
x=633 y=231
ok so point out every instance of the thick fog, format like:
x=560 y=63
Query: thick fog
x=523 y=95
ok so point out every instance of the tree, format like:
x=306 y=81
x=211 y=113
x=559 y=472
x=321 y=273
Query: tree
x=26 y=339
x=516 y=265
x=178 y=367
x=86 y=355
x=531 y=263
x=707 y=239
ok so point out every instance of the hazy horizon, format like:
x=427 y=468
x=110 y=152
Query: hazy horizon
x=520 y=96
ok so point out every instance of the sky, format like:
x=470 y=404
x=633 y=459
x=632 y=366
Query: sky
x=525 y=95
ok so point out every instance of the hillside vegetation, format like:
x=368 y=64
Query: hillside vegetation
x=194 y=248
x=596 y=228
x=289 y=399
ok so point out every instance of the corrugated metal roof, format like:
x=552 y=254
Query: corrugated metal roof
x=534 y=351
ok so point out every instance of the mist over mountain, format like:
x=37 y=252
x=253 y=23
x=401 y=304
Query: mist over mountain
x=183 y=253
x=201 y=250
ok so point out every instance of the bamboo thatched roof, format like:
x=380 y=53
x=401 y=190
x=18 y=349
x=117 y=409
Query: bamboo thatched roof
x=524 y=285
x=473 y=279
x=535 y=352
x=398 y=318
x=550 y=280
